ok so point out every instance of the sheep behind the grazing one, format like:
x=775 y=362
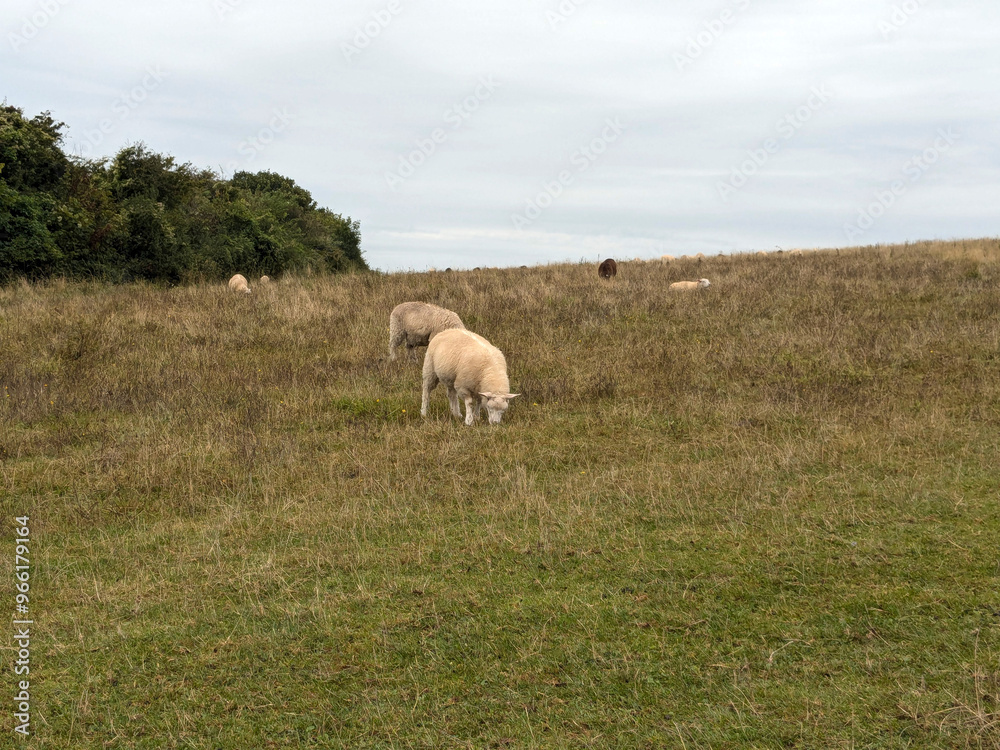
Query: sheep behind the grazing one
x=607 y=269
x=687 y=286
x=239 y=284
x=416 y=323
x=472 y=369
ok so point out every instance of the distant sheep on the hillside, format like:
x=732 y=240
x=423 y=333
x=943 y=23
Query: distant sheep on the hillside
x=687 y=286
x=667 y=258
x=416 y=323
x=472 y=369
x=239 y=284
x=607 y=269
x=265 y=279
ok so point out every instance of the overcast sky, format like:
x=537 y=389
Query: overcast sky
x=465 y=134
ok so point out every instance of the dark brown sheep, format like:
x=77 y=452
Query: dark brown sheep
x=607 y=269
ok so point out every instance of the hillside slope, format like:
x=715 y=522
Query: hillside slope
x=760 y=515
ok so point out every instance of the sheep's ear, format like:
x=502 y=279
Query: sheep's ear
x=487 y=394
x=509 y=396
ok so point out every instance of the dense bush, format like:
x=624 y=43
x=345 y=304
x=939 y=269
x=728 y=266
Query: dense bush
x=140 y=215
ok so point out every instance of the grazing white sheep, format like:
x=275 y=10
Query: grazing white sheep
x=265 y=279
x=687 y=286
x=239 y=284
x=472 y=369
x=416 y=323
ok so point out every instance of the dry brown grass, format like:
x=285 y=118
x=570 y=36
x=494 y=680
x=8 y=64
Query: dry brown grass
x=759 y=515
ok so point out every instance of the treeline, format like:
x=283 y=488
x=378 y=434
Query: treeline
x=140 y=215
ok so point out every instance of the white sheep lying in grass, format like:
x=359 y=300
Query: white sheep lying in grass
x=472 y=369
x=687 y=286
x=239 y=284
x=416 y=323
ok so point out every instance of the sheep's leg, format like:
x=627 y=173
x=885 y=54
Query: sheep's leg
x=396 y=337
x=471 y=409
x=456 y=408
x=430 y=383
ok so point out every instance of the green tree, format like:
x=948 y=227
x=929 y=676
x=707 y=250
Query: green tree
x=29 y=151
x=27 y=248
x=31 y=171
x=140 y=214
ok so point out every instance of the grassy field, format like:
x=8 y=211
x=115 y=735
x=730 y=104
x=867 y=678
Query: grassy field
x=764 y=515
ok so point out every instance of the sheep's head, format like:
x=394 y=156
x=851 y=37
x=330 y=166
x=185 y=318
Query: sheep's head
x=496 y=404
x=702 y=283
